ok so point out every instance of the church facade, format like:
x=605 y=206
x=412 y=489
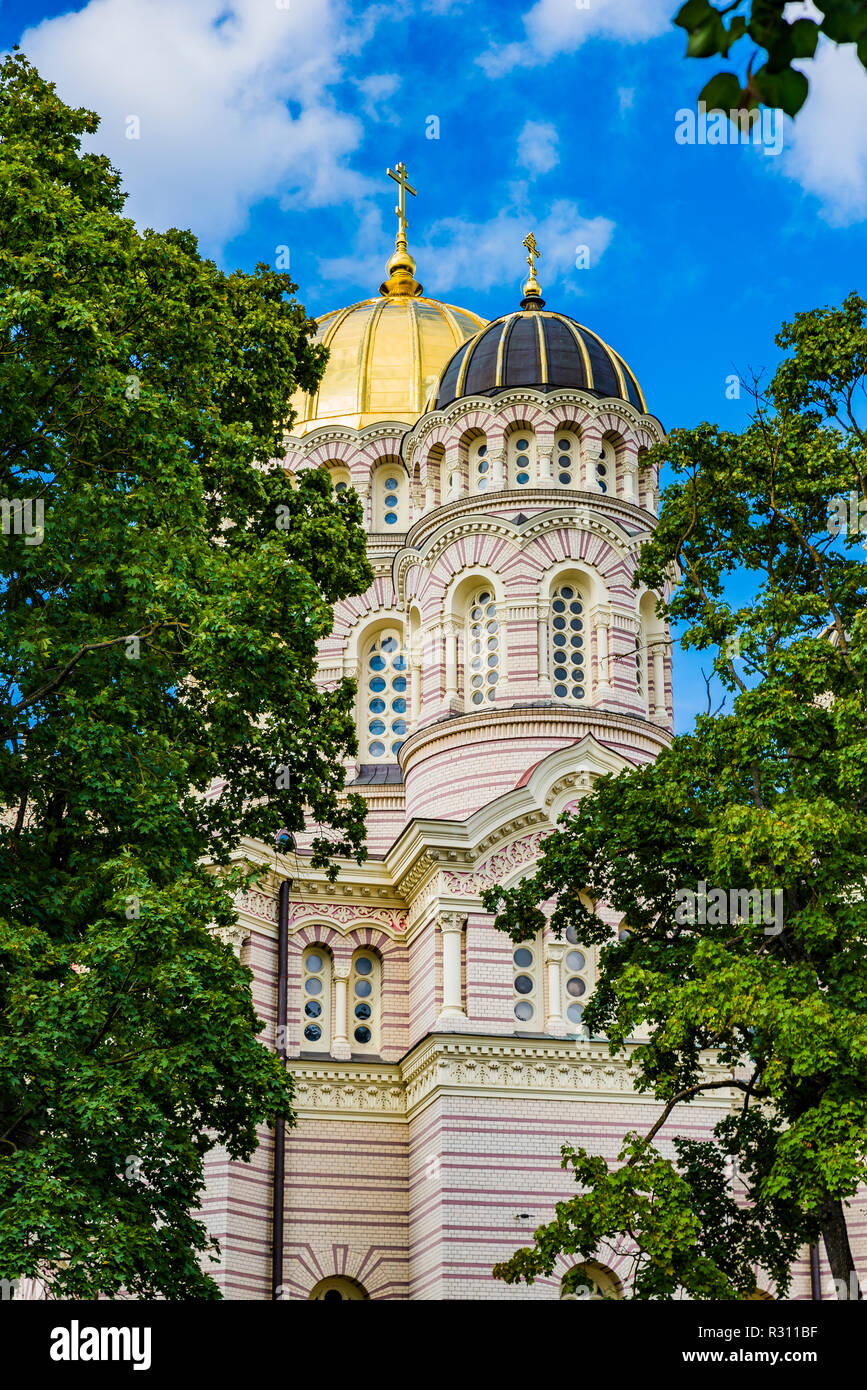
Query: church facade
x=503 y=661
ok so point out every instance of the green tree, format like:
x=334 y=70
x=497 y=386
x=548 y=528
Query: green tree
x=760 y=29
x=162 y=590
x=769 y=795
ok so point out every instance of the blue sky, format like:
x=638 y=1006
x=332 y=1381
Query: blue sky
x=269 y=123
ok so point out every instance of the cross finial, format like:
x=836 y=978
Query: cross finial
x=530 y=243
x=400 y=178
x=532 y=293
x=401 y=281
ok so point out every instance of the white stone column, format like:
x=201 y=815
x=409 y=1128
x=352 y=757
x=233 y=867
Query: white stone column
x=365 y=491
x=543 y=637
x=451 y=645
x=603 y=681
x=415 y=658
x=339 y=1038
x=451 y=925
x=545 y=455
x=497 y=459
x=554 y=953
x=659 y=710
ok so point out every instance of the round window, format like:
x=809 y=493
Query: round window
x=522 y=957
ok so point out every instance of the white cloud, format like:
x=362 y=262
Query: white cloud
x=562 y=26
x=461 y=255
x=826 y=144
x=376 y=90
x=537 y=147
x=234 y=104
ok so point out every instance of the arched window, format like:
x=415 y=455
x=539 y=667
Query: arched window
x=606 y=468
x=521 y=452
x=340 y=477
x=527 y=1003
x=338 y=1289
x=365 y=1002
x=567 y=459
x=384 y=697
x=390 y=510
x=316 y=1000
x=569 y=656
x=482 y=665
x=576 y=978
x=590 y=1283
x=480 y=466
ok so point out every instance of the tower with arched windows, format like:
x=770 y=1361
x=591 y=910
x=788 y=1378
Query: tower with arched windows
x=502 y=662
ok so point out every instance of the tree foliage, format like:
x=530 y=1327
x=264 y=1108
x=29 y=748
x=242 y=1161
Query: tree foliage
x=160 y=604
x=762 y=30
x=768 y=796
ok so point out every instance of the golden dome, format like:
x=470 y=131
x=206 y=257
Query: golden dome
x=384 y=356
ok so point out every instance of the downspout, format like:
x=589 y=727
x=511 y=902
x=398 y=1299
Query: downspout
x=815 y=1275
x=280 y=1124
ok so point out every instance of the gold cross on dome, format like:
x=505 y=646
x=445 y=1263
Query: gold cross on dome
x=400 y=178
x=530 y=243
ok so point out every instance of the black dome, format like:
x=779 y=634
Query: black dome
x=534 y=347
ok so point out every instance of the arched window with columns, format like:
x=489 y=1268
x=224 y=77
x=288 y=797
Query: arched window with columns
x=569 y=642
x=383 y=695
x=316 y=999
x=483 y=648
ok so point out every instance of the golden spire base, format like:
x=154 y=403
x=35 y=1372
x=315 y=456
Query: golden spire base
x=401 y=282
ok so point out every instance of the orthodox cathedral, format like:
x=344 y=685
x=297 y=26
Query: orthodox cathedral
x=503 y=661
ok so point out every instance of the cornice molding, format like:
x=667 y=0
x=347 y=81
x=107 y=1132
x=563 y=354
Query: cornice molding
x=455 y=1064
x=429 y=538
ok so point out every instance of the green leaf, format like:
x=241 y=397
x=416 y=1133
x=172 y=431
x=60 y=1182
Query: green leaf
x=786 y=91
x=722 y=92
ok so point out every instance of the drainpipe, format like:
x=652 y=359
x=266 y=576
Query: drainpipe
x=815 y=1276
x=280 y=1124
